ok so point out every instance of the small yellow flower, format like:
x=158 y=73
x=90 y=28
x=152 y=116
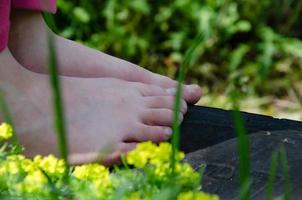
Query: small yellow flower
x=6 y=131
x=186 y=174
x=13 y=167
x=96 y=173
x=51 y=165
x=148 y=152
x=196 y=196
x=135 y=196
x=162 y=154
x=33 y=183
x=140 y=156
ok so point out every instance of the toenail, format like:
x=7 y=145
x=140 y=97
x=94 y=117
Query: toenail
x=181 y=117
x=168 y=132
x=171 y=91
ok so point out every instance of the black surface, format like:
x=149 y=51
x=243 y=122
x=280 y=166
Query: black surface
x=204 y=127
x=208 y=137
x=222 y=172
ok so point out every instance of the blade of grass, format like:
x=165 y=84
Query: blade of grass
x=50 y=22
x=189 y=60
x=297 y=93
x=201 y=171
x=243 y=150
x=5 y=109
x=55 y=193
x=8 y=119
x=272 y=176
x=242 y=139
x=285 y=171
x=59 y=115
x=244 y=190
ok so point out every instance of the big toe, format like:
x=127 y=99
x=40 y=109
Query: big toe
x=192 y=93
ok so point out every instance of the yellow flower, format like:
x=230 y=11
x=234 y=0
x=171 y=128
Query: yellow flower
x=148 y=152
x=33 y=183
x=140 y=156
x=28 y=165
x=51 y=165
x=11 y=165
x=96 y=173
x=163 y=154
x=186 y=174
x=135 y=196
x=24 y=164
x=196 y=196
x=6 y=131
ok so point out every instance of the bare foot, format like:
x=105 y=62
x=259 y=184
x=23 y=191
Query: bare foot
x=102 y=113
x=28 y=43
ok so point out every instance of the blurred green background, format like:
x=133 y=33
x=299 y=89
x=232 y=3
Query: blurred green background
x=255 y=44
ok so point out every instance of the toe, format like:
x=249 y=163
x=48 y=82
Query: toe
x=158 y=117
x=192 y=93
x=150 y=90
x=164 y=102
x=150 y=133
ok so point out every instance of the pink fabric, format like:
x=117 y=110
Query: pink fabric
x=45 y=5
x=4 y=22
x=5 y=7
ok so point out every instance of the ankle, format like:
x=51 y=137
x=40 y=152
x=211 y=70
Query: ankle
x=28 y=39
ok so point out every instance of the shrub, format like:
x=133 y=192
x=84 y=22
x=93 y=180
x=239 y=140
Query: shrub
x=155 y=34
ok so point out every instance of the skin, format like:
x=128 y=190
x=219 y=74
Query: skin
x=106 y=117
x=28 y=44
x=110 y=104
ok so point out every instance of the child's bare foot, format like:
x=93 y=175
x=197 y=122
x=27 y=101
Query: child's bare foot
x=28 y=43
x=102 y=113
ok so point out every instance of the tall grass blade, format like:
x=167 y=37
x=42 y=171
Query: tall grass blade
x=244 y=191
x=201 y=171
x=243 y=150
x=50 y=22
x=59 y=115
x=297 y=94
x=189 y=60
x=242 y=139
x=272 y=176
x=8 y=118
x=4 y=109
x=285 y=171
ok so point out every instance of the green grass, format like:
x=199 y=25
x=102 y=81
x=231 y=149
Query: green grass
x=243 y=147
x=58 y=107
x=244 y=154
x=272 y=176
x=4 y=109
x=189 y=60
x=285 y=171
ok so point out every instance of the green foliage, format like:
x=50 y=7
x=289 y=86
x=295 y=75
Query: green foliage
x=43 y=177
x=156 y=35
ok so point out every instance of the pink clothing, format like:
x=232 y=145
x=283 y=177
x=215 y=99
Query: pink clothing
x=4 y=22
x=5 y=7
